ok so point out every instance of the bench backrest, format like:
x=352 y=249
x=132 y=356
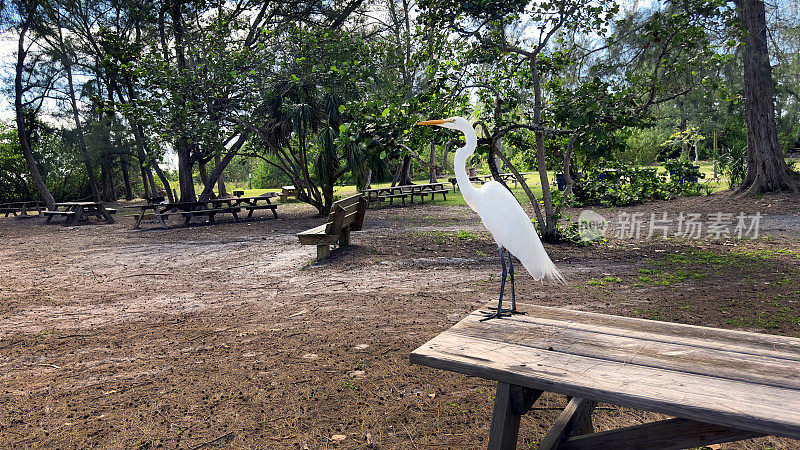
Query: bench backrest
x=347 y=212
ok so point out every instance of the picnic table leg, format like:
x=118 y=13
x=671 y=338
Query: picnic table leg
x=576 y=419
x=138 y=220
x=510 y=403
x=106 y=215
x=235 y=216
x=161 y=219
x=77 y=217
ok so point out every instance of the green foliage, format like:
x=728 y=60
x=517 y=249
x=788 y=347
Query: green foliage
x=684 y=176
x=618 y=184
x=13 y=183
x=643 y=146
x=733 y=162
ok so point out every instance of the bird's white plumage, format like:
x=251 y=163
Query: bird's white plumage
x=500 y=211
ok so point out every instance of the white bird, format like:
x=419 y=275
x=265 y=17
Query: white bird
x=502 y=215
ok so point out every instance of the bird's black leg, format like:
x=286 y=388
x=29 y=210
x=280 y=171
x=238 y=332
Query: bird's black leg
x=499 y=311
x=513 y=309
x=513 y=294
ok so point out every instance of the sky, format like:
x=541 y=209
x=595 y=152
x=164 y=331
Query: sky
x=7 y=50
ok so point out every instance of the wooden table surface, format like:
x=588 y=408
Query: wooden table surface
x=736 y=379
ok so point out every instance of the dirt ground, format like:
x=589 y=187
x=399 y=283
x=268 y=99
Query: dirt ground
x=229 y=335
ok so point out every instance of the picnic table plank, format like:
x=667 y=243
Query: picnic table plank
x=666 y=351
x=697 y=394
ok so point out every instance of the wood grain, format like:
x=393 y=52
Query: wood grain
x=728 y=378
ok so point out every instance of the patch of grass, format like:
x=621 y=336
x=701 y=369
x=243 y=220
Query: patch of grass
x=466 y=235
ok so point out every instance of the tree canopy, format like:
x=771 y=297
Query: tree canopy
x=319 y=93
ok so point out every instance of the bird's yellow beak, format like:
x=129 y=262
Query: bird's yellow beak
x=432 y=122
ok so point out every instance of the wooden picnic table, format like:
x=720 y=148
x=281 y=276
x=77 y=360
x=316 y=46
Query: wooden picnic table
x=74 y=212
x=401 y=192
x=483 y=179
x=21 y=207
x=209 y=208
x=721 y=385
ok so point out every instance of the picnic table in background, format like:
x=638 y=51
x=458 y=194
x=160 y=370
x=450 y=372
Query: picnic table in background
x=482 y=179
x=21 y=207
x=209 y=208
x=76 y=211
x=287 y=191
x=401 y=192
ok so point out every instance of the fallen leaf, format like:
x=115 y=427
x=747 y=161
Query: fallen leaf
x=338 y=437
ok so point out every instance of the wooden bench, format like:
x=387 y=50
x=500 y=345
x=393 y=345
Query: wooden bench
x=188 y=214
x=346 y=215
x=51 y=214
x=721 y=385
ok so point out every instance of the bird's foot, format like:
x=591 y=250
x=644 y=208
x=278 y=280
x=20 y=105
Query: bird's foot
x=510 y=311
x=493 y=313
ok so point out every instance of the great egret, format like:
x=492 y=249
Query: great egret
x=502 y=215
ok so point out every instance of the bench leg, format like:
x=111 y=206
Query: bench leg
x=510 y=403
x=344 y=237
x=274 y=212
x=576 y=419
x=323 y=251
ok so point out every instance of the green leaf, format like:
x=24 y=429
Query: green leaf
x=385 y=113
x=342 y=127
x=341 y=109
x=383 y=154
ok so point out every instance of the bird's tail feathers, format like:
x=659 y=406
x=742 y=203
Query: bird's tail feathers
x=539 y=264
x=544 y=270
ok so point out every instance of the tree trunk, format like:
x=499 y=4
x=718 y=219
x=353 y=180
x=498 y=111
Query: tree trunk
x=182 y=146
x=147 y=190
x=433 y=164
x=549 y=229
x=79 y=131
x=221 y=191
x=204 y=176
x=208 y=187
x=126 y=177
x=766 y=168
x=405 y=173
x=22 y=130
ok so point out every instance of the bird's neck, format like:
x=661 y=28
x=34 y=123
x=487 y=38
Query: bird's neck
x=468 y=191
